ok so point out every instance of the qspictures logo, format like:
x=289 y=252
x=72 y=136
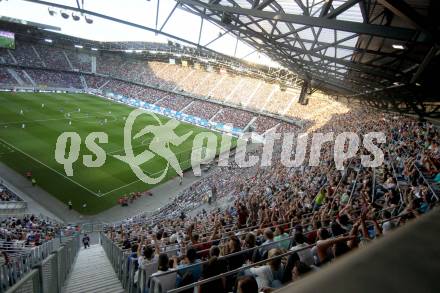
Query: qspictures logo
x=163 y=137
x=205 y=145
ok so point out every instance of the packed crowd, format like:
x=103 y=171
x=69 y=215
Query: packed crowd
x=28 y=230
x=80 y=61
x=7 y=195
x=52 y=58
x=202 y=109
x=283 y=223
x=54 y=79
x=95 y=82
x=174 y=102
x=264 y=123
x=5 y=57
x=236 y=117
x=24 y=54
x=297 y=219
x=241 y=90
x=130 y=198
x=5 y=77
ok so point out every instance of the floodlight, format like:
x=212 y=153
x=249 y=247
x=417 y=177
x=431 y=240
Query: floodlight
x=75 y=17
x=88 y=19
x=398 y=47
x=51 y=11
x=64 y=14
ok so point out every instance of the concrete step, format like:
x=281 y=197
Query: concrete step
x=92 y=272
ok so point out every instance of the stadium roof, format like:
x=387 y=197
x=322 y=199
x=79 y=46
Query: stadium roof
x=134 y=20
x=351 y=46
x=373 y=49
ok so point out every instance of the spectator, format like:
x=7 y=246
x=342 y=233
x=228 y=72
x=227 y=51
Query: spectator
x=304 y=253
x=270 y=275
x=86 y=241
x=247 y=284
x=189 y=267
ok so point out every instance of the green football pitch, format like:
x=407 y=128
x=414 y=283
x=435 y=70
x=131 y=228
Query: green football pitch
x=7 y=43
x=29 y=131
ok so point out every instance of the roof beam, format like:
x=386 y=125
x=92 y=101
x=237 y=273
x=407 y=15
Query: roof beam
x=409 y=14
x=168 y=17
x=431 y=54
x=344 y=7
x=349 y=26
x=364 y=11
x=303 y=8
x=325 y=8
x=264 y=4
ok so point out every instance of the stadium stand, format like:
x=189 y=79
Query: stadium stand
x=203 y=109
x=265 y=228
x=25 y=54
x=54 y=79
x=219 y=86
x=132 y=74
x=7 y=195
x=53 y=58
x=174 y=102
x=80 y=61
x=277 y=215
x=10 y=202
x=6 y=78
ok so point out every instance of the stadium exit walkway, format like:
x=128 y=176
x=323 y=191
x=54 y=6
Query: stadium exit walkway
x=92 y=272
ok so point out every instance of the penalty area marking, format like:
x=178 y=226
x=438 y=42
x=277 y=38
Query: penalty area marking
x=137 y=180
x=43 y=120
x=133 y=148
x=5 y=149
x=87 y=115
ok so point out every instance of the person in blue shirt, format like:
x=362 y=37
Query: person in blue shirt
x=132 y=258
x=190 y=265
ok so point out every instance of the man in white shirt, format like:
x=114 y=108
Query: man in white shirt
x=305 y=254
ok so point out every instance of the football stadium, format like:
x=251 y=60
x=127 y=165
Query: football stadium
x=219 y=146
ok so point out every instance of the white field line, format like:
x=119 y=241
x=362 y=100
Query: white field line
x=44 y=120
x=109 y=153
x=102 y=194
x=160 y=171
x=133 y=148
x=30 y=121
x=135 y=181
x=38 y=161
x=73 y=181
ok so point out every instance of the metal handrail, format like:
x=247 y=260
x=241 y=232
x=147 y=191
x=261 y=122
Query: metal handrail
x=43 y=270
x=125 y=269
x=245 y=267
x=426 y=181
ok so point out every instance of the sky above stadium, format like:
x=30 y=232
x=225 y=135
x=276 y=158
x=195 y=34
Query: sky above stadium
x=182 y=24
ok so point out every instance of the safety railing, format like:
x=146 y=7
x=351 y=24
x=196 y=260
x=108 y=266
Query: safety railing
x=21 y=260
x=12 y=207
x=43 y=271
x=92 y=227
x=136 y=283
x=434 y=194
x=118 y=258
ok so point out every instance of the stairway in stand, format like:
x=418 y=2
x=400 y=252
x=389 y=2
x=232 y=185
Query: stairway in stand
x=92 y=272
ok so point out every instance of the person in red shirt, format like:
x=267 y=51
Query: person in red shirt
x=242 y=215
